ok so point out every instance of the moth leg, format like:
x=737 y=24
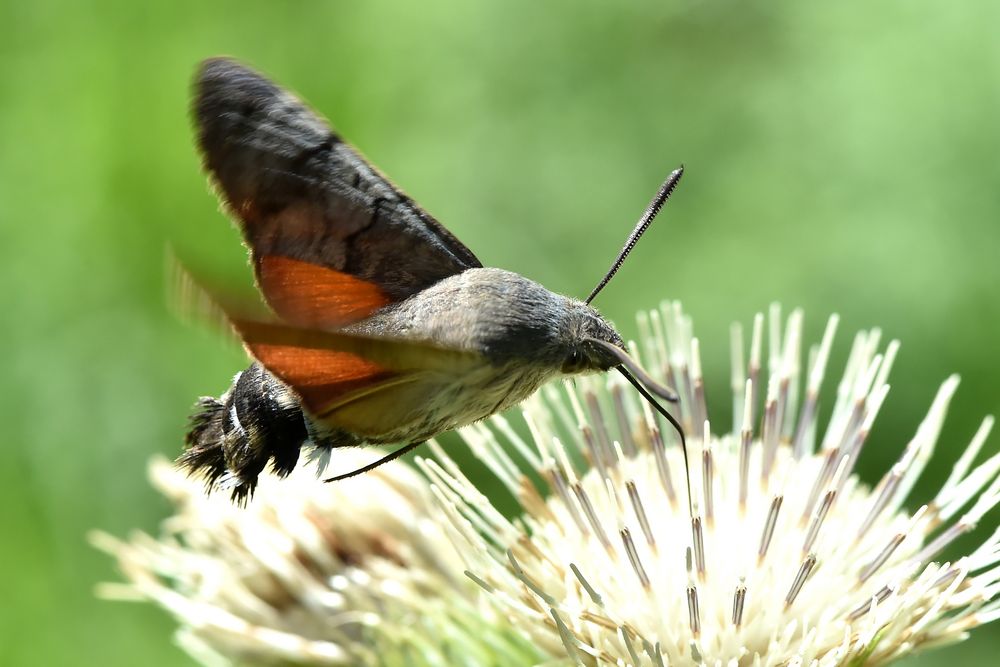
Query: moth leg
x=324 y=440
x=385 y=459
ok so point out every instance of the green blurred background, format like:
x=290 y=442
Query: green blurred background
x=841 y=157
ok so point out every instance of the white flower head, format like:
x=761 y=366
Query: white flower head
x=779 y=556
x=352 y=573
x=782 y=557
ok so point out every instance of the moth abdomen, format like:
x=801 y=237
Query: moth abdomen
x=232 y=438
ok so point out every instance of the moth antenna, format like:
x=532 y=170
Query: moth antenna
x=371 y=466
x=673 y=422
x=640 y=228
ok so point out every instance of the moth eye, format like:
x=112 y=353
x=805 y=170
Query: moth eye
x=574 y=363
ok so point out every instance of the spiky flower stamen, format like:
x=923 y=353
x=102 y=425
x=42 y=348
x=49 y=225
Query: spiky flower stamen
x=355 y=573
x=786 y=556
x=778 y=556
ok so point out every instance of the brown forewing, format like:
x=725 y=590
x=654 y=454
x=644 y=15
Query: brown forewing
x=302 y=194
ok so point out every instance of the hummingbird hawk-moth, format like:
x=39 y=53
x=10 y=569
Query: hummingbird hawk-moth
x=384 y=328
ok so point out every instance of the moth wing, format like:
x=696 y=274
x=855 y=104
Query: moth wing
x=365 y=384
x=331 y=239
x=197 y=299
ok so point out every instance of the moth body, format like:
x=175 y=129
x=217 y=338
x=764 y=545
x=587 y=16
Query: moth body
x=382 y=326
x=521 y=335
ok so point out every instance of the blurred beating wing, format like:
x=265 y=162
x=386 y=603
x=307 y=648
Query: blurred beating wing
x=367 y=385
x=331 y=239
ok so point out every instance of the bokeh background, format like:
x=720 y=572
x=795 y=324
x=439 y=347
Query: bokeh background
x=841 y=157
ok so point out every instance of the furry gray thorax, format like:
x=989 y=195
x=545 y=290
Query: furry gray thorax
x=501 y=315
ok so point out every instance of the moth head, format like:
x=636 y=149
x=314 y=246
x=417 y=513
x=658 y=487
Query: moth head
x=584 y=353
x=588 y=344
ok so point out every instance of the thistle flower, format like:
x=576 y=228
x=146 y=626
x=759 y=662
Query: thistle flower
x=779 y=555
x=354 y=573
x=782 y=557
